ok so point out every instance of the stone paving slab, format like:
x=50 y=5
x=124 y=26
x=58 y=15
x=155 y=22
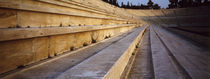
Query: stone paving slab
x=108 y=62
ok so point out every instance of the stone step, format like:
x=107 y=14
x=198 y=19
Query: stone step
x=46 y=69
x=24 y=33
x=194 y=38
x=163 y=64
x=24 y=46
x=142 y=67
x=51 y=13
x=171 y=57
x=191 y=59
x=108 y=63
x=57 y=66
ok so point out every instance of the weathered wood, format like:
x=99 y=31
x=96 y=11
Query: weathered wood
x=8 y=18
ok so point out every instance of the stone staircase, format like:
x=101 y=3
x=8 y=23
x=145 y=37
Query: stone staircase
x=166 y=55
x=35 y=30
x=105 y=59
x=90 y=39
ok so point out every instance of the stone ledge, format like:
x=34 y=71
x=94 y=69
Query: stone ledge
x=50 y=67
x=22 y=33
x=76 y=6
x=108 y=63
x=38 y=6
x=24 y=52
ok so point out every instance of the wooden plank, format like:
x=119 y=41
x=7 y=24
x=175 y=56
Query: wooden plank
x=8 y=18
